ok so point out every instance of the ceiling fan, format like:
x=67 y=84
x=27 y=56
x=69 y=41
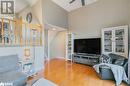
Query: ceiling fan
x=82 y=1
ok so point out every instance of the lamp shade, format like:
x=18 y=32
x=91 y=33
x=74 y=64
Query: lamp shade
x=27 y=53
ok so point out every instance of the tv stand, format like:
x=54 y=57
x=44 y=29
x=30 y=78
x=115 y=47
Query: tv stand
x=89 y=59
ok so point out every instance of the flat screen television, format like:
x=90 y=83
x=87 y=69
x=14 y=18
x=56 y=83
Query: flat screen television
x=88 y=46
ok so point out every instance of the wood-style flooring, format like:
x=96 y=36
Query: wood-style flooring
x=65 y=73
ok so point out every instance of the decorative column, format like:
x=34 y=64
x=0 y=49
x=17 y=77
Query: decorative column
x=129 y=57
x=129 y=69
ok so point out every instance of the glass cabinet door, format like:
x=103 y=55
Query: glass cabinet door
x=108 y=41
x=119 y=41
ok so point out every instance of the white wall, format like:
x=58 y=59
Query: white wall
x=88 y=21
x=56 y=44
x=54 y=14
x=51 y=36
x=36 y=11
x=12 y=50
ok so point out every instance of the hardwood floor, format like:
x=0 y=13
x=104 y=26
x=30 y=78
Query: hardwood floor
x=71 y=74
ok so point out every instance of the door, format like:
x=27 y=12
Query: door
x=121 y=41
x=115 y=40
x=107 y=41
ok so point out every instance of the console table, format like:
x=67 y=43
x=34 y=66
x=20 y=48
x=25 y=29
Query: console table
x=27 y=67
x=89 y=59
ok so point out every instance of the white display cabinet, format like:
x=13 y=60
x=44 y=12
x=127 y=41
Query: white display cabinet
x=69 y=46
x=115 y=40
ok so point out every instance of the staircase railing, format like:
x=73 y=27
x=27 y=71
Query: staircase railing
x=15 y=32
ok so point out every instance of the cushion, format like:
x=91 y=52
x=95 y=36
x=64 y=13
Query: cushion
x=8 y=63
x=14 y=77
x=119 y=62
x=105 y=59
x=115 y=56
x=117 y=59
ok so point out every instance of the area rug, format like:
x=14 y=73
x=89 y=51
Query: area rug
x=44 y=82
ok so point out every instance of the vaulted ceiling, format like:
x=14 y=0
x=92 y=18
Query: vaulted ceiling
x=22 y=4
x=71 y=5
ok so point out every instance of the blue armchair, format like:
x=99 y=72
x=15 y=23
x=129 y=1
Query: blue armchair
x=106 y=73
x=10 y=71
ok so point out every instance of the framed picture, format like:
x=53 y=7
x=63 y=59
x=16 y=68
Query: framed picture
x=29 y=17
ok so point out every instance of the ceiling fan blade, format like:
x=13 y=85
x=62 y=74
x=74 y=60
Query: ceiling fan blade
x=83 y=2
x=71 y=1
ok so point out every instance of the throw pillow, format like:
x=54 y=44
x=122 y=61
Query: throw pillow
x=119 y=62
x=105 y=59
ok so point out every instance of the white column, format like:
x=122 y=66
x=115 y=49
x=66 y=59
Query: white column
x=129 y=68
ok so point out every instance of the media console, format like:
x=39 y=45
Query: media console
x=89 y=59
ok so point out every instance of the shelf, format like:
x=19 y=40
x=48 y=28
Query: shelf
x=86 y=59
x=69 y=46
x=115 y=40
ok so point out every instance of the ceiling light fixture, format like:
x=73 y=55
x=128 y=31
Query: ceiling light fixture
x=72 y=1
x=53 y=28
x=82 y=2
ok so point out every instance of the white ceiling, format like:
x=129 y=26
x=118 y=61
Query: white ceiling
x=75 y=5
x=21 y=4
x=53 y=27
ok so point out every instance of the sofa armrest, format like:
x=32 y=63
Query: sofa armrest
x=126 y=67
x=104 y=66
x=106 y=73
